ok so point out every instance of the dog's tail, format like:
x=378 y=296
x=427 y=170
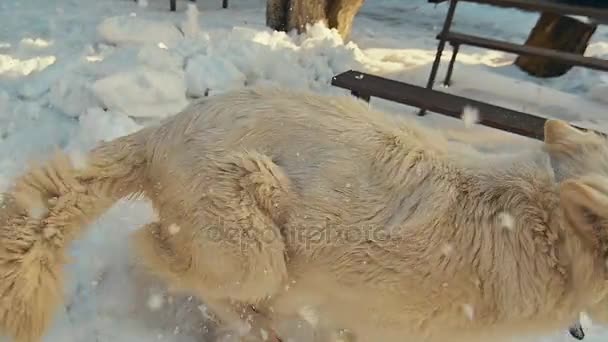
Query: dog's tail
x=43 y=212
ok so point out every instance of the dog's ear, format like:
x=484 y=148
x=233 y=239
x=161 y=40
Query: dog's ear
x=584 y=202
x=561 y=135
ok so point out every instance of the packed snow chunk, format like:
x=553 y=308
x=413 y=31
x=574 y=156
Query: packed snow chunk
x=212 y=74
x=72 y=95
x=470 y=116
x=123 y=30
x=159 y=58
x=22 y=67
x=143 y=92
x=97 y=125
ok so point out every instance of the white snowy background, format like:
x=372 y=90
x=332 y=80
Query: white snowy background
x=73 y=72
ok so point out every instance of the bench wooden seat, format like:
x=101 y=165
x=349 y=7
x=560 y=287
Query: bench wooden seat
x=426 y=98
x=599 y=14
x=365 y=86
x=457 y=38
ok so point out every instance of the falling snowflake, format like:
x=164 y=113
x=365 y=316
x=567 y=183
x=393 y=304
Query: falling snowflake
x=205 y=312
x=191 y=28
x=264 y=334
x=468 y=311
x=174 y=229
x=585 y=320
x=155 y=302
x=506 y=221
x=309 y=315
x=447 y=249
x=470 y=116
x=78 y=158
x=37 y=210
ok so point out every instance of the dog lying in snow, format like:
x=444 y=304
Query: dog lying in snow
x=275 y=204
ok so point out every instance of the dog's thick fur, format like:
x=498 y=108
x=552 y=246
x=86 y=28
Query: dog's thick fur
x=295 y=204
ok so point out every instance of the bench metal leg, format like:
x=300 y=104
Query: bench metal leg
x=224 y=3
x=446 y=28
x=363 y=97
x=448 y=76
x=173 y=5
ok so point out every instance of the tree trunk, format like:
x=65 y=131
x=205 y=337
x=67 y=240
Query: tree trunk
x=287 y=15
x=556 y=32
x=341 y=14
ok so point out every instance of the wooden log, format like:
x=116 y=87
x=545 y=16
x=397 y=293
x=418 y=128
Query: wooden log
x=556 y=32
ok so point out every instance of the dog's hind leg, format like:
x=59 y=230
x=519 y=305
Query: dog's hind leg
x=173 y=264
x=229 y=250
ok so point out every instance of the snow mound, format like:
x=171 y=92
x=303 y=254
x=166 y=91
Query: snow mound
x=121 y=30
x=246 y=56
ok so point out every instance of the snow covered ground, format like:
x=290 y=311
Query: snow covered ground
x=73 y=72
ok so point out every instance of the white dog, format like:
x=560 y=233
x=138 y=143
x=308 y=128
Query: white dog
x=275 y=204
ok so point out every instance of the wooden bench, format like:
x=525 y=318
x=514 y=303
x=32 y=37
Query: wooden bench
x=456 y=39
x=364 y=86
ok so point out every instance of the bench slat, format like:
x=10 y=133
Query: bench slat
x=547 y=6
x=447 y=104
x=461 y=38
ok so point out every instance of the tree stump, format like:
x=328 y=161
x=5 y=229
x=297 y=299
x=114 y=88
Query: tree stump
x=556 y=32
x=287 y=15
